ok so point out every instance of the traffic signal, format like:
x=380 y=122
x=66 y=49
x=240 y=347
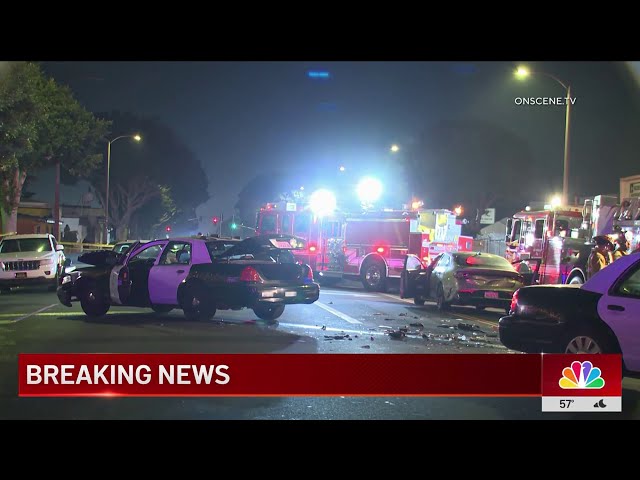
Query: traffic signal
x=215 y=220
x=234 y=226
x=168 y=228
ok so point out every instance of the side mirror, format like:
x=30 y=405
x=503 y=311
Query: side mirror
x=59 y=247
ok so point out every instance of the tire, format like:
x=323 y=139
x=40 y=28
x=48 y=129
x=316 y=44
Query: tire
x=587 y=341
x=418 y=301
x=442 y=305
x=92 y=303
x=269 y=313
x=576 y=280
x=195 y=304
x=161 y=308
x=374 y=278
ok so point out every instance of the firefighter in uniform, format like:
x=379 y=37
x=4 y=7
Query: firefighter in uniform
x=600 y=255
x=622 y=246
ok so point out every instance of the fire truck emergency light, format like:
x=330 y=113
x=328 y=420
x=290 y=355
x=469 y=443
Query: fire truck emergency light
x=322 y=202
x=369 y=190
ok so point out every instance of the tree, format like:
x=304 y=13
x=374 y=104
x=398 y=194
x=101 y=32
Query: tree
x=43 y=125
x=472 y=163
x=152 y=183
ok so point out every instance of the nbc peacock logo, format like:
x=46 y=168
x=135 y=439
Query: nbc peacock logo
x=581 y=375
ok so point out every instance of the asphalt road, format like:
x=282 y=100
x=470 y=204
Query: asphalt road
x=32 y=321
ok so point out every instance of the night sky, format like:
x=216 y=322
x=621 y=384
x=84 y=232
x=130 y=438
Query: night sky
x=246 y=117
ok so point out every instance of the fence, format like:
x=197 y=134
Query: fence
x=73 y=247
x=495 y=246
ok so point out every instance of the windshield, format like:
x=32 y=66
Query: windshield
x=482 y=260
x=25 y=245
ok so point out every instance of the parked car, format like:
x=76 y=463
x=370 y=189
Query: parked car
x=35 y=259
x=601 y=316
x=461 y=278
x=146 y=275
x=260 y=273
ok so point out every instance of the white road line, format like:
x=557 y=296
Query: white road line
x=338 y=314
x=346 y=294
x=24 y=317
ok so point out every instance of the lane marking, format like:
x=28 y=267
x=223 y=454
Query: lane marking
x=347 y=294
x=388 y=295
x=24 y=317
x=338 y=314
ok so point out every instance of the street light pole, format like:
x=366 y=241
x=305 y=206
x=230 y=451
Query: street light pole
x=565 y=178
x=105 y=238
x=137 y=138
x=523 y=72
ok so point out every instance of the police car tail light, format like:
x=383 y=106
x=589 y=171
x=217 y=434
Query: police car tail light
x=250 y=274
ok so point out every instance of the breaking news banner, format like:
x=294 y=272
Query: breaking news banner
x=290 y=375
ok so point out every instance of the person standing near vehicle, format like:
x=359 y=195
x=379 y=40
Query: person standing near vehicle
x=600 y=255
x=622 y=247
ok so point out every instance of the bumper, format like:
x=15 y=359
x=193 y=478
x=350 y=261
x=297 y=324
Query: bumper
x=477 y=298
x=294 y=294
x=32 y=278
x=530 y=336
x=64 y=295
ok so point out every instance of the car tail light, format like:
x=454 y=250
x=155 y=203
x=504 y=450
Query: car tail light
x=309 y=273
x=250 y=274
x=380 y=249
x=514 y=302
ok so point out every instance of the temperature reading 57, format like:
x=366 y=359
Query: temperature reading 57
x=566 y=403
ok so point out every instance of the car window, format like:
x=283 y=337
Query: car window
x=413 y=263
x=176 y=253
x=25 y=245
x=301 y=224
x=147 y=253
x=218 y=247
x=483 y=260
x=629 y=286
x=268 y=223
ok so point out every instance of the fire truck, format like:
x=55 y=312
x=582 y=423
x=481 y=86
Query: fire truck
x=297 y=219
x=375 y=243
x=555 y=243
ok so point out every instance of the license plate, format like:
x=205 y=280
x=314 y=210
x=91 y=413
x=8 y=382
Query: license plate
x=491 y=295
x=21 y=275
x=289 y=294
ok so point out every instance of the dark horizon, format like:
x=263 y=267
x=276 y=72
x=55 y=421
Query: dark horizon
x=243 y=118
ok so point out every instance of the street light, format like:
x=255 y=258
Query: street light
x=523 y=72
x=135 y=137
x=394 y=148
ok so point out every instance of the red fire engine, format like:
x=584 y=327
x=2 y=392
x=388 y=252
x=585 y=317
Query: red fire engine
x=296 y=219
x=375 y=244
